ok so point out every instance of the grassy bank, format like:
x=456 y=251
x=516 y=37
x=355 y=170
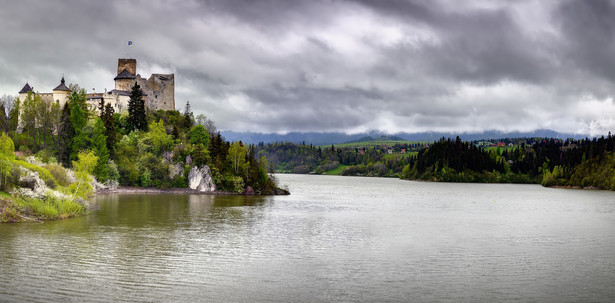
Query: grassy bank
x=15 y=208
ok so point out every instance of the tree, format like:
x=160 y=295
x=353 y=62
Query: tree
x=79 y=119
x=99 y=145
x=54 y=121
x=28 y=113
x=158 y=137
x=209 y=124
x=110 y=130
x=136 y=110
x=237 y=156
x=65 y=136
x=188 y=116
x=4 y=119
x=199 y=135
x=7 y=153
x=84 y=167
x=14 y=116
x=6 y=105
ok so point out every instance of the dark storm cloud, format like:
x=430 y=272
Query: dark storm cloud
x=391 y=65
x=588 y=28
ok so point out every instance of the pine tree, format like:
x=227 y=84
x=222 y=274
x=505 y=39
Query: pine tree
x=4 y=121
x=110 y=131
x=136 y=110
x=99 y=145
x=65 y=135
x=188 y=116
x=14 y=116
x=79 y=119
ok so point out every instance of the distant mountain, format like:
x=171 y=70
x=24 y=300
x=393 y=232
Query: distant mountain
x=381 y=138
x=339 y=138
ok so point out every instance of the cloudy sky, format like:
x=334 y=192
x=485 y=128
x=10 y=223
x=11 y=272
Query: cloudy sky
x=350 y=66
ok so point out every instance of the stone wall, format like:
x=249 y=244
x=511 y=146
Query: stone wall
x=127 y=64
x=159 y=90
x=124 y=84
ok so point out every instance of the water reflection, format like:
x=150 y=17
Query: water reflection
x=334 y=239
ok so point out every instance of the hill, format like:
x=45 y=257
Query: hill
x=330 y=138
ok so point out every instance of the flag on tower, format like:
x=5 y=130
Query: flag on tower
x=129 y=42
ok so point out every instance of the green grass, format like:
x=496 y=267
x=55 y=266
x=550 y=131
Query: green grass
x=21 y=209
x=337 y=170
x=374 y=143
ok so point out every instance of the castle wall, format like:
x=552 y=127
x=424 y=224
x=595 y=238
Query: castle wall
x=159 y=90
x=124 y=84
x=119 y=103
x=60 y=97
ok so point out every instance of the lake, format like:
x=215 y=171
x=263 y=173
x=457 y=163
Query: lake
x=334 y=238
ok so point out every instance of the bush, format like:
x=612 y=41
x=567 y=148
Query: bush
x=114 y=174
x=46 y=156
x=59 y=174
x=301 y=169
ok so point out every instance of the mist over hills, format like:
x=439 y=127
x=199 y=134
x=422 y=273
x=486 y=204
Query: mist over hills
x=316 y=138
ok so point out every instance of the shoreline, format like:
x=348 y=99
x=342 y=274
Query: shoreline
x=141 y=190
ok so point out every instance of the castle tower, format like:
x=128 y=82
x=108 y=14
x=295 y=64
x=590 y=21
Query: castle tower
x=60 y=93
x=23 y=93
x=126 y=72
x=127 y=64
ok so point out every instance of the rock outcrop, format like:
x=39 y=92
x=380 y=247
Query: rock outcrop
x=200 y=179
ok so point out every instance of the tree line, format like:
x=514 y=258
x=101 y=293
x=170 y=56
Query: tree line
x=547 y=161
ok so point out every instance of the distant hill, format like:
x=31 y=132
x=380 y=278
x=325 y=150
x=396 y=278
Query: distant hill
x=339 y=138
x=379 y=139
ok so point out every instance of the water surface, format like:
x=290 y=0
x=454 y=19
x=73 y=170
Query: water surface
x=334 y=239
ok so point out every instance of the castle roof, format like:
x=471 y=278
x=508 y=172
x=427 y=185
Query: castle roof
x=26 y=88
x=125 y=74
x=120 y=92
x=62 y=86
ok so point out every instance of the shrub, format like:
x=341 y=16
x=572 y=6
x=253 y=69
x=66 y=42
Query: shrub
x=59 y=174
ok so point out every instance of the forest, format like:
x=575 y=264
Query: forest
x=137 y=147
x=547 y=161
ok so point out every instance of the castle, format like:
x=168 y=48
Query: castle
x=158 y=90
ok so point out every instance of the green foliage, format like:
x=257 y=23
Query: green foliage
x=7 y=148
x=50 y=207
x=107 y=116
x=79 y=120
x=99 y=145
x=66 y=133
x=7 y=154
x=188 y=117
x=59 y=174
x=136 y=110
x=237 y=157
x=598 y=173
x=114 y=173
x=157 y=136
x=234 y=183
x=85 y=165
x=14 y=115
x=199 y=135
x=146 y=178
